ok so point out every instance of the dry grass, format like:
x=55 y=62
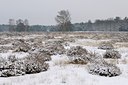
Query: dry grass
x=112 y=61
x=62 y=60
x=121 y=44
x=117 y=61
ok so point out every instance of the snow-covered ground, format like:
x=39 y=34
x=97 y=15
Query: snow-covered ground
x=61 y=72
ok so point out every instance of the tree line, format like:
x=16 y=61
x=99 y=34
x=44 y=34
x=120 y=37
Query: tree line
x=18 y=25
x=63 y=20
x=111 y=24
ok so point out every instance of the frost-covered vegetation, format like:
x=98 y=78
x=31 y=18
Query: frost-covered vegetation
x=78 y=55
x=112 y=54
x=13 y=66
x=70 y=58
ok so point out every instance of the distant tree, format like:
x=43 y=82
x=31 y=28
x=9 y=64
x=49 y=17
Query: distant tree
x=20 y=25
x=11 y=25
x=89 y=25
x=126 y=19
x=64 y=20
x=26 y=23
x=19 y=21
x=117 y=19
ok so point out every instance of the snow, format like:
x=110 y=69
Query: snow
x=63 y=73
x=66 y=74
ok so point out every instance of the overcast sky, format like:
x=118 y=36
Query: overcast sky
x=44 y=11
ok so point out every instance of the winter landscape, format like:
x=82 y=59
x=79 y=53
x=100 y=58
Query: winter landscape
x=63 y=42
x=71 y=58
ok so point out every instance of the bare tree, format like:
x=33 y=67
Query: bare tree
x=64 y=20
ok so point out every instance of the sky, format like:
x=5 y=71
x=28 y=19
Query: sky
x=43 y=12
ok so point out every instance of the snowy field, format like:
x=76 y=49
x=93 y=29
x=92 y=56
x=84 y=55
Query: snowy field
x=60 y=71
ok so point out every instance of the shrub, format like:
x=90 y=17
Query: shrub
x=35 y=63
x=104 y=69
x=11 y=72
x=54 y=48
x=99 y=66
x=11 y=69
x=95 y=58
x=21 y=46
x=29 y=65
x=35 y=67
x=78 y=55
x=112 y=54
x=41 y=56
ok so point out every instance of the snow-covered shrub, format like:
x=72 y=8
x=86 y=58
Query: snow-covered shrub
x=28 y=65
x=54 y=48
x=104 y=69
x=11 y=72
x=35 y=67
x=95 y=57
x=78 y=50
x=20 y=65
x=41 y=56
x=78 y=55
x=35 y=63
x=112 y=54
x=9 y=68
x=21 y=49
x=21 y=46
x=106 y=46
x=2 y=63
x=99 y=66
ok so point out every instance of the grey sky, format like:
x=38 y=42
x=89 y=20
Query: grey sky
x=44 y=11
